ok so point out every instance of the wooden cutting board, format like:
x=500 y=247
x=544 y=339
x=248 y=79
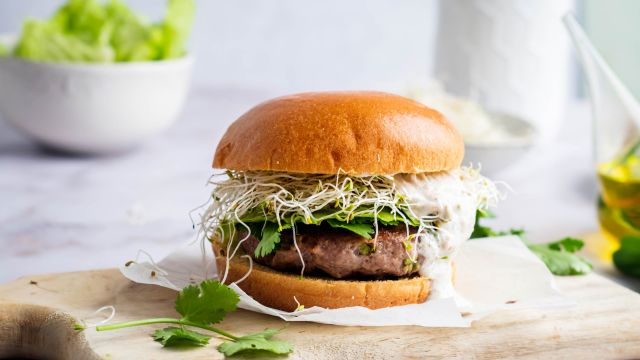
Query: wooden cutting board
x=37 y=314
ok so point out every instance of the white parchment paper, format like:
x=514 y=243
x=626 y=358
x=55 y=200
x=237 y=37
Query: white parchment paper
x=491 y=274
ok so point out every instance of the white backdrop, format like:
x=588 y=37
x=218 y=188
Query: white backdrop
x=294 y=45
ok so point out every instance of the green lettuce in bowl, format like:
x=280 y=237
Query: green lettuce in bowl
x=96 y=78
x=89 y=31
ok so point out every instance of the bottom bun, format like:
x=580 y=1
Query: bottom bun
x=281 y=290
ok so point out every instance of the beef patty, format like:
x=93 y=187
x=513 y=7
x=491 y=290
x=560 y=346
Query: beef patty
x=340 y=253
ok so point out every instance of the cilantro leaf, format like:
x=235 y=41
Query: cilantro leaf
x=627 y=258
x=560 y=261
x=485 y=213
x=256 y=342
x=206 y=303
x=567 y=244
x=269 y=237
x=558 y=256
x=363 y=229
x=179 y=337
x=481 y=231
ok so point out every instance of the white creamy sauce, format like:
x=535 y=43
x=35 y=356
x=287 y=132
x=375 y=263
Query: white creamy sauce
x=453 y=198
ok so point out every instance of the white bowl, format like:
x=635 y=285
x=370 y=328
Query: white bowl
x=497 y=157
x=92 y=108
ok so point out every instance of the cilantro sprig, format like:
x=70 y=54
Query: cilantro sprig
x=201 y=306
x=559 y=256
x=480 y=231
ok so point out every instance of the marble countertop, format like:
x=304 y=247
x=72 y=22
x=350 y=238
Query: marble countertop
x=64 y=213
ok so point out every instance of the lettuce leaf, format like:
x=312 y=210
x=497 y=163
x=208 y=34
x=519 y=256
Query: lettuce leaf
x=42 y=41
x=91 y=31
x=131 y=39
x=176 y=27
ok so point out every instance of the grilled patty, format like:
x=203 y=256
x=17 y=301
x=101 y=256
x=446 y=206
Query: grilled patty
x=339 y=253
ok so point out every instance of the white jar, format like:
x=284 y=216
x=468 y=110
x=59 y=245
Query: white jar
x=513 y=56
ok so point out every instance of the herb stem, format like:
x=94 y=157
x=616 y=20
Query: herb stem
x=165 y=321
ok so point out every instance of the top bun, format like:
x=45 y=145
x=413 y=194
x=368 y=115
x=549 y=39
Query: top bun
x=360 y=133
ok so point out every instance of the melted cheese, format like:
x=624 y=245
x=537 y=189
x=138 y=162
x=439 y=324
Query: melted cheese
x=452 y=197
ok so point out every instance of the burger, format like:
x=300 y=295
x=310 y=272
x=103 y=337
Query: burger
x=339 y=199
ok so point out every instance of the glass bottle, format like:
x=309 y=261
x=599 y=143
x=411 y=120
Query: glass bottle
x=616 y=124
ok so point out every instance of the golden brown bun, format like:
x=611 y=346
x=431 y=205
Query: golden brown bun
x=277 y=289
x=361 y=133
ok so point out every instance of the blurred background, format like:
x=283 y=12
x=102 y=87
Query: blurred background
x=352 y=45
x=514 y=58
x=266 y=45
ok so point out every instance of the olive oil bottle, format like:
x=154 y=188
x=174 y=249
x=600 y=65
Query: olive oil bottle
x=616 y=124
x=619 y=201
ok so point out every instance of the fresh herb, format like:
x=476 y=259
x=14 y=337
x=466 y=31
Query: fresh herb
x=627 y=257
x=180 y=337
x=91 y=31
x=567 y=244
x=201 y=306
x=258 y=342
x=269 y=236
x=206 y=303
x=559 y=256
x=363 y=229
x=480 y=231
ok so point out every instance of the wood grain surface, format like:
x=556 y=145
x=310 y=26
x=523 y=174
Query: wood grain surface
x=36 y=318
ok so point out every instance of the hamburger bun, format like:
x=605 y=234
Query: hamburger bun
x=360 y=133
x=277 y=289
